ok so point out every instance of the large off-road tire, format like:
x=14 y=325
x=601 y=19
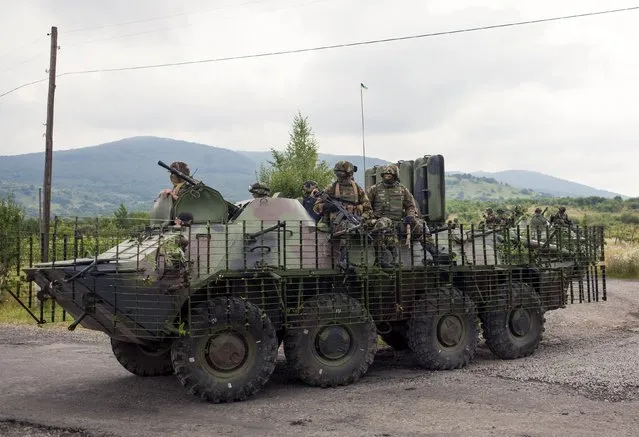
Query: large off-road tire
x=143 y=360
x=443 y=331
x=331 y=342
x=230 y=352
x=397 y=338
x=515 y=333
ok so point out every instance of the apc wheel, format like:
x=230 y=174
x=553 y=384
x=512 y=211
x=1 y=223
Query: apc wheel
x=331 y=342
x=443 y=333
x=515 y=333
x=230 y=353
x=143 y=360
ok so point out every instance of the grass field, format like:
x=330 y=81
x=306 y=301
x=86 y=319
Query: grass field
x=622 y=260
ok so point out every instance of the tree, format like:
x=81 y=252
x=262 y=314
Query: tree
x=11 y=220
x=121 y=217
x=298 y=163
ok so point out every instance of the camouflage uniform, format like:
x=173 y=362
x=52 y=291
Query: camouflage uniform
x=538 y=222
x=502 y=218
x=309 y=188
x=390 y=199
x=259 y=190
x=560 y=218
x=346 y=190
x=352 y=197
x=490 y=220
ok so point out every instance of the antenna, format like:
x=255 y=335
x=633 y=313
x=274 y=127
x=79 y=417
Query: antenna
x=363 y=87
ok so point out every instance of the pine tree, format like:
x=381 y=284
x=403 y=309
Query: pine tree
x=297 y=163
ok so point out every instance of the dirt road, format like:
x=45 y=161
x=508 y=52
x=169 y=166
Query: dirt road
x=583 y=381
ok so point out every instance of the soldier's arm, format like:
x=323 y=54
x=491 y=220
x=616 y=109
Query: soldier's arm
x=318 y=207
x=372 y=198
x=364 y=201
x=409 y=204
x=372 y=194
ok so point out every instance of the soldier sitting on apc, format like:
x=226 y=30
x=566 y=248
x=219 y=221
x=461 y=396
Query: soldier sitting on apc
x=392 y=200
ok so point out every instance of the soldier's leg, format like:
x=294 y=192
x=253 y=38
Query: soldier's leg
x=343 y=254
x=393 y=247
x=379 y=247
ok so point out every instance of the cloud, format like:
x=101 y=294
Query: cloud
x=556 y=97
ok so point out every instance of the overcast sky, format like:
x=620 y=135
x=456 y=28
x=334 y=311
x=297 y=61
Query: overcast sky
x=559 y=98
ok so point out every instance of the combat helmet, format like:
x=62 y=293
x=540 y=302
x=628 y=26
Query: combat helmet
x=345 y=167
x=259 y=189
x=308 y=186
x=562 y=209
x=390 y=169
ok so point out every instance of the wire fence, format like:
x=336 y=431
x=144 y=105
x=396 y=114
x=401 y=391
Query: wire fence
x=152 y=281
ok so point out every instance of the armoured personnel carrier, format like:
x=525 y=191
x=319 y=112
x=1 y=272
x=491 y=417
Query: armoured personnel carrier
x=212 y=299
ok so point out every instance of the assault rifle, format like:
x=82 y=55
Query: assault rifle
x=354 y=222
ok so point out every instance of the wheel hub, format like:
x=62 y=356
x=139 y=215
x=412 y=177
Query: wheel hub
x=520 y=322
x=450 y=330
x=227 y=351
x=333 y=342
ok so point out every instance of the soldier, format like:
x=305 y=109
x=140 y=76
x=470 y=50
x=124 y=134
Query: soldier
x=489 y=218
x=350 y=195
x=538 y=222
x=561 y=218
x=392 y=200
x=177 y=182
x=518 y=213
x=309 y=192
x=259 y=190
x=501 y=218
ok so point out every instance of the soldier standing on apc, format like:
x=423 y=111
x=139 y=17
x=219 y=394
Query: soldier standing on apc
x=352 y=197
x=346 y=191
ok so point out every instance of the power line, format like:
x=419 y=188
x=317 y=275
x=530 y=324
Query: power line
x=352 y=44
x=26 y=61
x=161 y=29
x=334 y=46
x=22 y=46
x=164 y=17
x=22 y=86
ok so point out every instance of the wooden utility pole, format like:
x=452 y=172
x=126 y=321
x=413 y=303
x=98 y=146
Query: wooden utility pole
x=48 y=155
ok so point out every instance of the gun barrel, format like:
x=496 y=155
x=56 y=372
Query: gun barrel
x=178 y=173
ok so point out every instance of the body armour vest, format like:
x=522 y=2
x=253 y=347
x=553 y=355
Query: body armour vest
x=346 y=191
x=389 y=201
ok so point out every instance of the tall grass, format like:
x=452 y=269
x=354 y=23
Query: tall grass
x=622 y=260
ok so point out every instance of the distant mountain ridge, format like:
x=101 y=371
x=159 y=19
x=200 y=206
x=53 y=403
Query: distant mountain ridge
x=96 y=179
x=546 y=184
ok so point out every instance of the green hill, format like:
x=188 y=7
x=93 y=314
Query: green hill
x=464 y=186
x=95 y=180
